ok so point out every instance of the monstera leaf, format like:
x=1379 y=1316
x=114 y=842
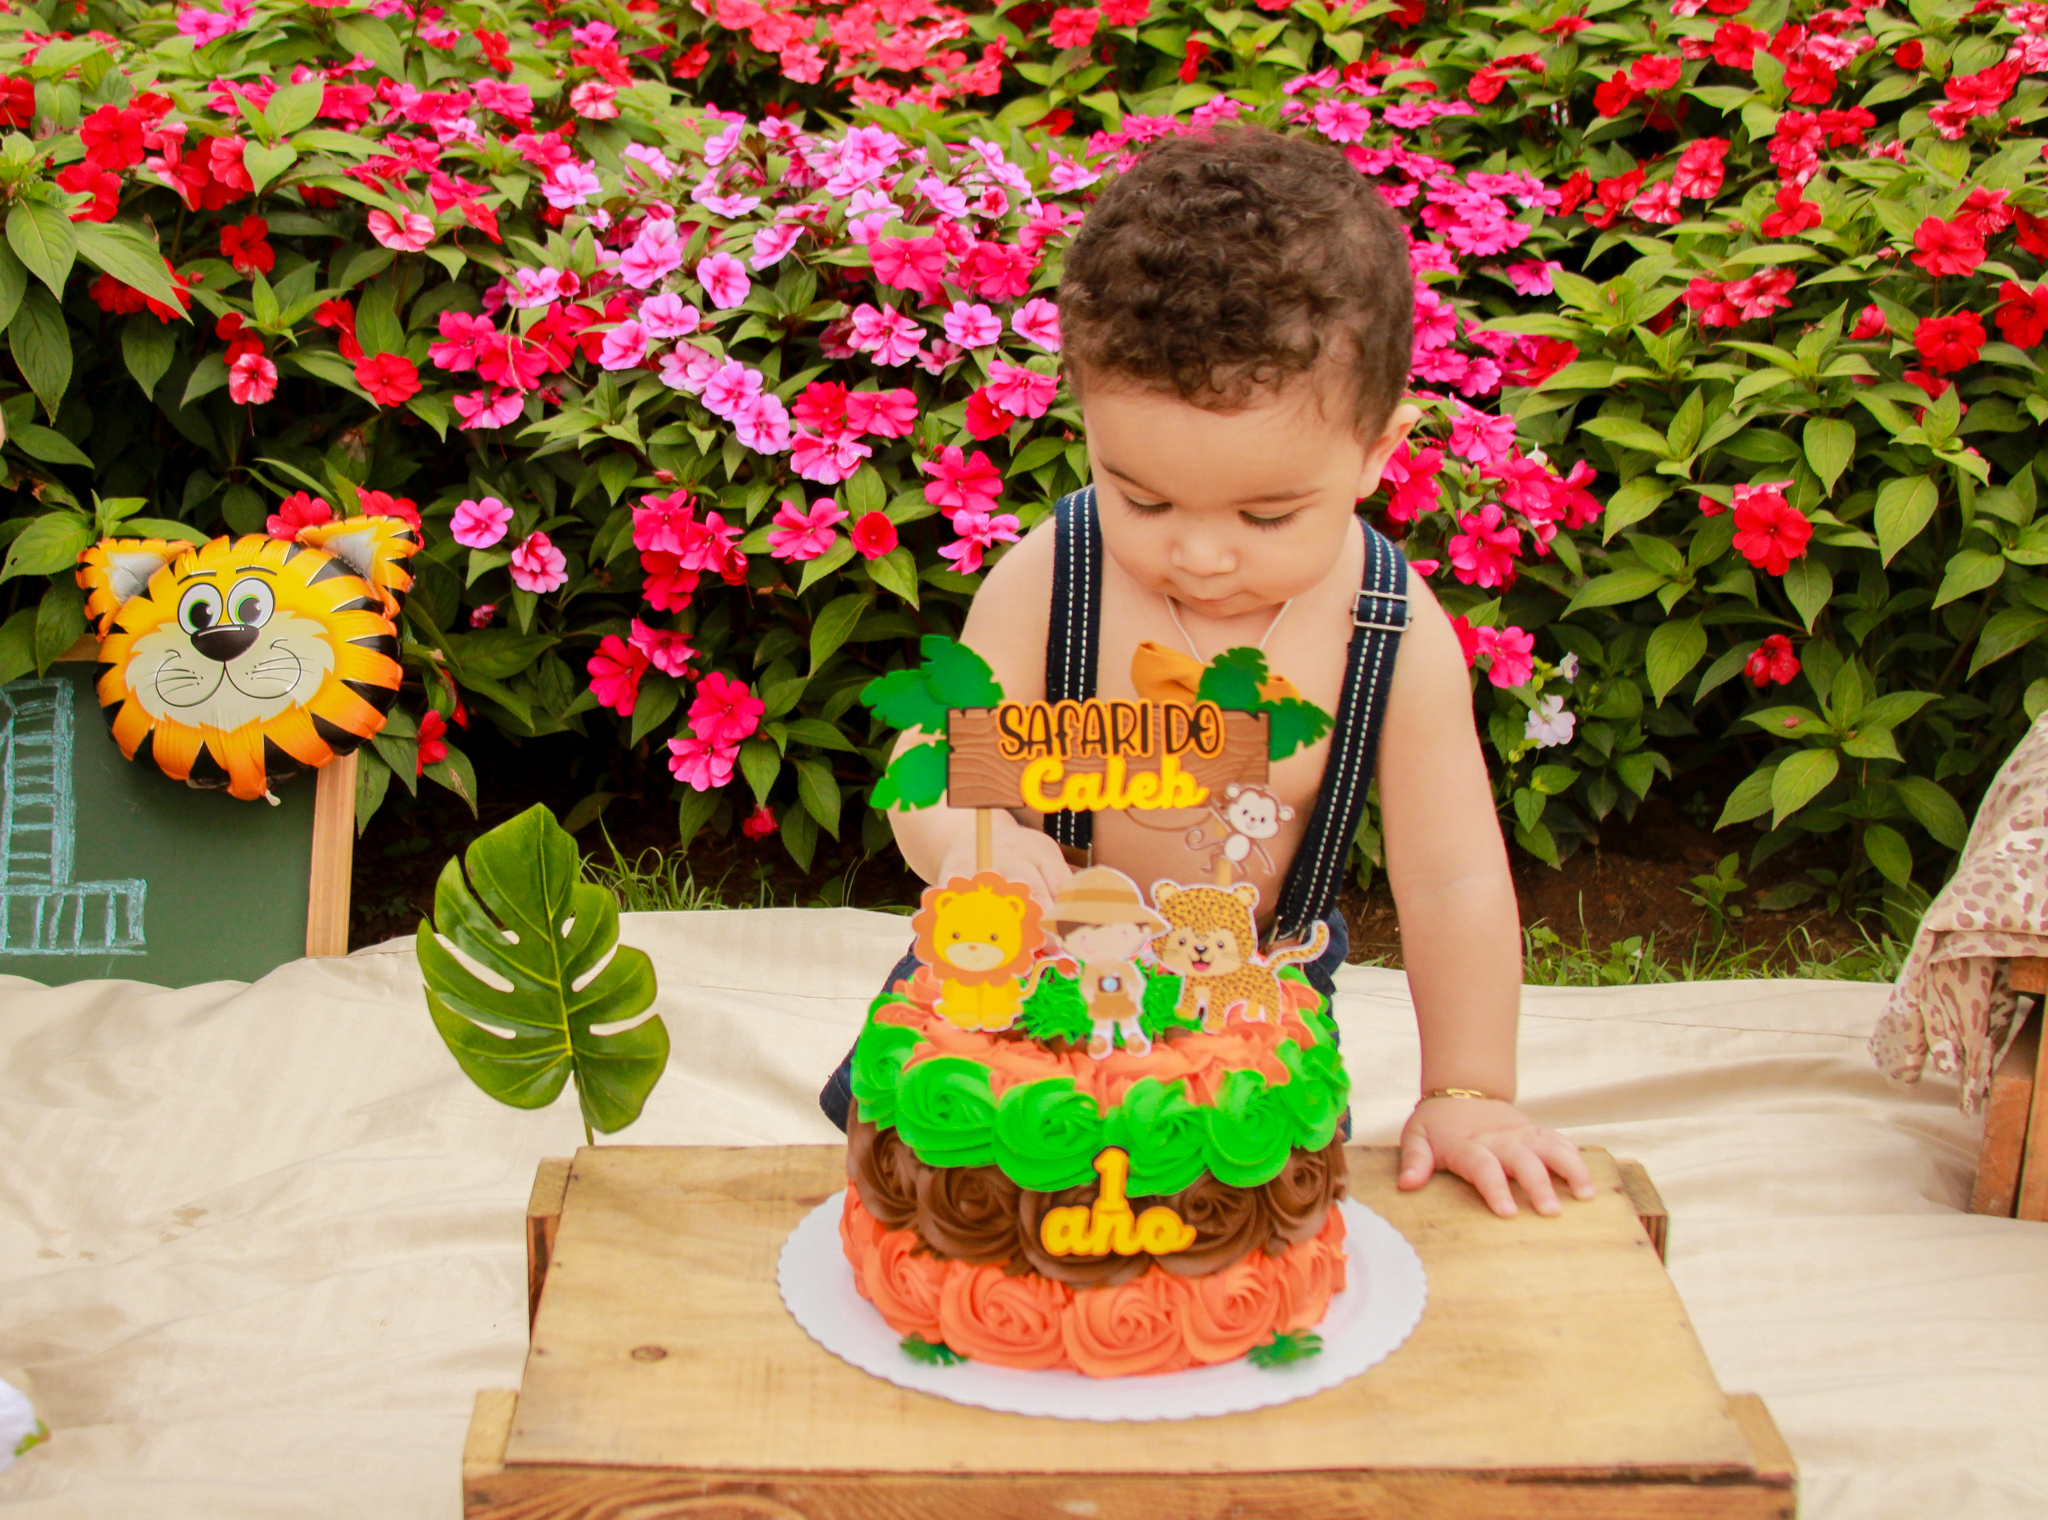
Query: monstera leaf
x=526 y=916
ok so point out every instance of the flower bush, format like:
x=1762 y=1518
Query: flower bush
x=715 y=350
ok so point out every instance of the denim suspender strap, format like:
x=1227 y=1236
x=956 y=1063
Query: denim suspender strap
x=1378 y=619
x=1076 y=622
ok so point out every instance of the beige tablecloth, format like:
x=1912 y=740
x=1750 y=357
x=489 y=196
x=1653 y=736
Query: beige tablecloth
x=261 y=1245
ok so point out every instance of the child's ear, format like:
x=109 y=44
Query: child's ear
x=376 y=548
x=116 y=569
x=1392 y=436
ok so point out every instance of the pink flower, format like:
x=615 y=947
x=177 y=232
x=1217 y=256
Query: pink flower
x=1484 y=554
x=760 y=823
x=662 y=524
x=667 y=316
x=972 y=325
x=1481 y=437
x=889 y=335
x=594 y=100
x=979 y=531
x=725 y=711
x=1037 y=321
x=1659 y=203
x=252 y=380
x=625 y=346
x=480 y=524
x=826 y=460
x=885 y=414
x=484 y=409
x=1510 y=652
x=874 y=535
x=1020 y=392
x=538 y=566
x=730 y=385
x=569 y=184
x=460 y=334
x=407 y=236
x=969 y=482
x=1701 y=169
x=1074 y=28
x=615 y=672
x=771 y=244
x=701 y=766
x=724 y=280
x=667 y=651
x=480 y=617
x=762 y=424
x=913 y=264
x=1341 y=121
x=656 y=252
x=1533 y=277
x=801 y=535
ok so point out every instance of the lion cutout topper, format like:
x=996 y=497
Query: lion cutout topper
x=237 y=663
x=979 y=937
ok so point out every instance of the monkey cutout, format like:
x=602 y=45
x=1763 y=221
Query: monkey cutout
x=1249 y=816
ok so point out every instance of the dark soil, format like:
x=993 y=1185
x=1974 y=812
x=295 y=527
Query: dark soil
x=1634 y=883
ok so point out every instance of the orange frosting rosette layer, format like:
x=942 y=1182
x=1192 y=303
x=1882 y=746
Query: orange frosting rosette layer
x=1154 y=1323
x=1204 y=1060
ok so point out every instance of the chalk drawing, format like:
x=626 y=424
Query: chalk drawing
x=46 y=912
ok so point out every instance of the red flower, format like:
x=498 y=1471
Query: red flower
x=691 y=62
x=615 y=672
x=1574 y=192
x=1735 y=45
x=1985 y=212
x=1947 y=247
x=1053 y=123
x=240 y=341
x=390 y=379
x=104 y=188
x=433 y=741
x=1773 y=662
x=760 y=823
x=243 y=246
x=1769 y=531
x=1871 y=323
x=407 y=511
x=1615 y=95
x=2022 y=313
x=112 y=137
x=1947 y=344
x=1656 y=73
x=986 y=420
x=1701 y=168
x=873 y=535
x=1565 y=26
x=17 y=102
x=1934 y=388
x=1909 y=55
x=296 y=511
x=1794 y=214
x=1191 y=60
x=1810 y=79
x=2031 y=232
x=1074 y=28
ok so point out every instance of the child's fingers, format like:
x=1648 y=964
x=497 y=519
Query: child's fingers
x=1418 y=1161
x=1481 y=1167
x=1564 y=1159
x=1533 y=1172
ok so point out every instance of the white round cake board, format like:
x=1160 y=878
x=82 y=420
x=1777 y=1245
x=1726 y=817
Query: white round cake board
x=1366 y=1323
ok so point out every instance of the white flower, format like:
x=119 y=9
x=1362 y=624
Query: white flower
x=1568 y=667
x=1549 y=723
x=19 y=1427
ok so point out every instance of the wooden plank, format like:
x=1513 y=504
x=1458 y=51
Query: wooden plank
x=334 y=847
x=569 y=1493
x=1769 y=1454
x=2027 y=973
x=490 y=1421
x=1997 y=1188
x=2033 y=1195
x=543 y=1218
x=977 y=776
x=1648 y=1203
x=662 y=1305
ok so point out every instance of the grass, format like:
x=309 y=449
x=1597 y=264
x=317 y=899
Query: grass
x=658 y=882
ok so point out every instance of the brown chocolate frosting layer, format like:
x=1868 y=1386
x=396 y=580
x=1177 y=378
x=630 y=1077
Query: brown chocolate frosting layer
x=883 y=1170
x=977 y=1214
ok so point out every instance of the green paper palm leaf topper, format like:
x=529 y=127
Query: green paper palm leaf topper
x=533 y=923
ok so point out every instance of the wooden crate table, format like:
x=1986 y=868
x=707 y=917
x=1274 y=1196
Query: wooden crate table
x=1553 y=1374
x=2012 y=1163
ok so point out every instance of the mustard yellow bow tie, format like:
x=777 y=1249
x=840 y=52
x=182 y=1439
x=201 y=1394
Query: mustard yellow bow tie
x=1163 y=674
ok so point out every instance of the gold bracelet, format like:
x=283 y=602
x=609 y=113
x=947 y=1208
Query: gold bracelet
x=1456 y=1092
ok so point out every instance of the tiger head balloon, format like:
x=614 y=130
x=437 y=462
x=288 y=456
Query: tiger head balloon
x=236 y=663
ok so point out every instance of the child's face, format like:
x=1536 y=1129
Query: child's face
x=1105 y=942
x=1228 y=512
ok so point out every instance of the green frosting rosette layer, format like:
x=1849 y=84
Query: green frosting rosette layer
x=1045 y=1135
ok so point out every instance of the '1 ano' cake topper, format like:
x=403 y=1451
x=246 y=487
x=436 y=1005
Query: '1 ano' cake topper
x=236 y=663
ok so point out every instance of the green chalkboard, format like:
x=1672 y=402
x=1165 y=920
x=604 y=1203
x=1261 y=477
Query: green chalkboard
x=114 y=870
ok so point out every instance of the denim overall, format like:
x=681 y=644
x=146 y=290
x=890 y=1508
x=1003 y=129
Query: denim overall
x=1309 y=893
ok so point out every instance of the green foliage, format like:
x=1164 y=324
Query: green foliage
x=526 y=918
x=1232 y=681
x=1055 y=1010
x=1284 y=1350
x=931 y=1353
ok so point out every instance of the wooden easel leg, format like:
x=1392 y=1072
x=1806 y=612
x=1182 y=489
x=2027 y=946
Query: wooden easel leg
x=334 y=851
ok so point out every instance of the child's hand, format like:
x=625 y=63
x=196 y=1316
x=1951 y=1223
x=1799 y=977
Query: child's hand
x=1025 y=856
x=1486 y=1142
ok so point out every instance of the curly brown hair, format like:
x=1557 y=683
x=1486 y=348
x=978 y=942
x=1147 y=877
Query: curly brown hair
x=1223 y=264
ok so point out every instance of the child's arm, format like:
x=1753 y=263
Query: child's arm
x=1006 y=625
x=1460 y=933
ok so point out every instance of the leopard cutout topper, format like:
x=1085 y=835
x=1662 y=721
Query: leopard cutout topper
x=1211 y=943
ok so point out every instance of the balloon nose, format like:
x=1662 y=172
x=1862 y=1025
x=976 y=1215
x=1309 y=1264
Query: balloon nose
x=224 y=642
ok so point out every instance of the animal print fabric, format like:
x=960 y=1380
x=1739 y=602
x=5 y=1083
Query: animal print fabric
x=1952 y=1006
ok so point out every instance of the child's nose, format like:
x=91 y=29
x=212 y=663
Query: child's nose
x=1203 y=554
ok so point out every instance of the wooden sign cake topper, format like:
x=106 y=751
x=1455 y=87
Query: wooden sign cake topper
x=1095 y=755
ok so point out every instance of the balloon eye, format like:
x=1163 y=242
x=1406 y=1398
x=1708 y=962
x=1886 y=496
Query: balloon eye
x=199 y=609
x=251 y=603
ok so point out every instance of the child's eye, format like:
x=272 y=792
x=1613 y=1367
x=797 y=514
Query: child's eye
x=1147 y=508
x=1269 y=522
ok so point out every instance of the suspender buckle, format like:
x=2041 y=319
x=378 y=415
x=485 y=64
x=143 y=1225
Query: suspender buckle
x=1383 y=611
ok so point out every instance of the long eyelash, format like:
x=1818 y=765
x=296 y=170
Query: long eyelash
x=1272 y=522
x=1147 y=508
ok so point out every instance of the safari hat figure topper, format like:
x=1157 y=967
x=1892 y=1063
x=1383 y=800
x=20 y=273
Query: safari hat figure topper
x=236 y=663
x=1102 y=921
